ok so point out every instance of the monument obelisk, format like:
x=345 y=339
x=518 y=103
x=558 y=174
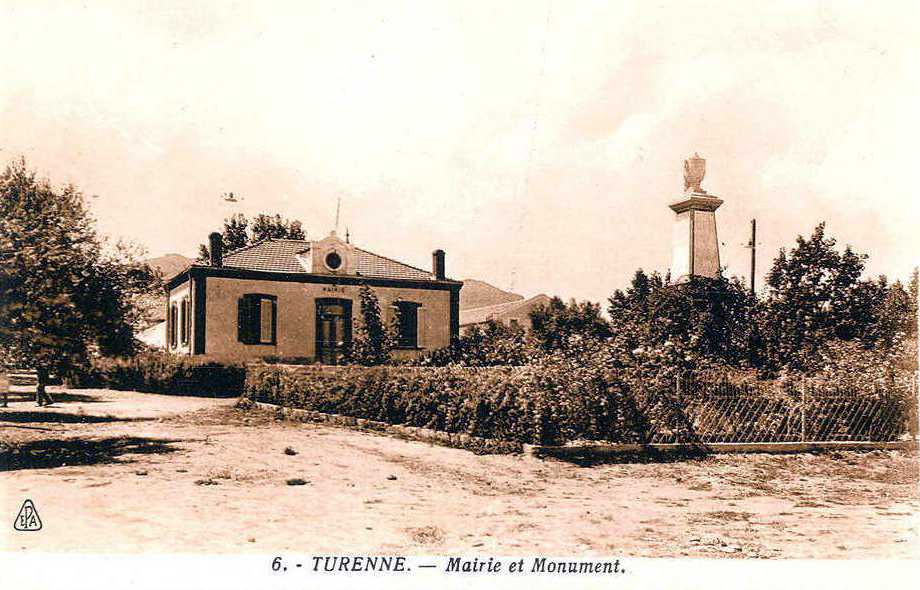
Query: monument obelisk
x=695 y=241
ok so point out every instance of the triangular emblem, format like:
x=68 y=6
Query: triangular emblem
x=27 y=519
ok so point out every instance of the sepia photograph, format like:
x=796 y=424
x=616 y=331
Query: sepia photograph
x=504 y=294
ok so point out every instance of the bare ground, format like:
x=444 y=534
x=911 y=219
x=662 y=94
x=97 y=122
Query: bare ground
x=127 y=472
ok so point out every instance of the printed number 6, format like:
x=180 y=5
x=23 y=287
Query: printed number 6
x=276 y=564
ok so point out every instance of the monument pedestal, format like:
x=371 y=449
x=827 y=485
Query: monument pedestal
x=695 y=240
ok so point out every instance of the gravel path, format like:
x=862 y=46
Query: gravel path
x=126 y=472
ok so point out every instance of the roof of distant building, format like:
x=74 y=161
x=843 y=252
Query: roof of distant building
x=479 y=315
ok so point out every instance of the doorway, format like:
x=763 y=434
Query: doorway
x=333 y=329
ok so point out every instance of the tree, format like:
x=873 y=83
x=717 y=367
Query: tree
x=554 y=324
x=891 y=311
x=267 y=226
x=815 y=296
x=629 y=310
x=238 y=233
x=913 y=290
x=372 y=340
x=63 y=291
x=699 y=319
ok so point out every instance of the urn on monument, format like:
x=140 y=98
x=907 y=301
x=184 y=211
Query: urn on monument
x=694 y=172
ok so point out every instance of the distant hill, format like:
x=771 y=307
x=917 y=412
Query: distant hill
x=169 y=264
x=480 y=294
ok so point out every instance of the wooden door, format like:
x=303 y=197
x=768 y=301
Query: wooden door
x=333 y=329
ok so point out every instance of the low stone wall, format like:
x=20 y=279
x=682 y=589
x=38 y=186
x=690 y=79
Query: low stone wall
x=587 y=452
x=599 y=451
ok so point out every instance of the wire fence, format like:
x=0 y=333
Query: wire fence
x=802 y=411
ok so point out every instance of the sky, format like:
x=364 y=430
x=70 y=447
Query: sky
x=538 y=143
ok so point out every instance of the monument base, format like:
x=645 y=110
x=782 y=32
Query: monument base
x=695 y=240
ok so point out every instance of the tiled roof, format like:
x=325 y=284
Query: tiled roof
x=479 y=315
x=271 y=255
x=278 y=255
x=373 y=265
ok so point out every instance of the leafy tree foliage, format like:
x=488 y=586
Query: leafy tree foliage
x=816 y=296
x=554 y=324
x=372 y=340
x=238 y=232
x=912 y=291
x=702 y=318
x=268 y=226
x=490 y=345
x=889 y=314
x=63 y=290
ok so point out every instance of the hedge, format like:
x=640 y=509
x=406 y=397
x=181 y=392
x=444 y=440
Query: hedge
x=160 y=372
x=531 y=404
x=564 y=400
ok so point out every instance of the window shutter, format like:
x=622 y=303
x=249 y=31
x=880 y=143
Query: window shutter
x=274 y=321
x=255 y=319
x=244 y=327
x=423 y=327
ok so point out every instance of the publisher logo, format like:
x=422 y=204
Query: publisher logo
x=28 y=519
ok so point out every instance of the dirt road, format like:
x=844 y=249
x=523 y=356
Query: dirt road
x=127 y=472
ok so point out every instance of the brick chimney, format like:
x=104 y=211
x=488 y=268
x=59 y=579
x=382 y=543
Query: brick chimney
x=216 y=248
x=437 y=265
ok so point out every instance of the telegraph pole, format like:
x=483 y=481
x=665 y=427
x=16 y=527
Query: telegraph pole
x=753 y=246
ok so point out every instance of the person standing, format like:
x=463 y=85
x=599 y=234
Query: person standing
x=42 y=397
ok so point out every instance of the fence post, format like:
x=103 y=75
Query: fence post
x=802 y=411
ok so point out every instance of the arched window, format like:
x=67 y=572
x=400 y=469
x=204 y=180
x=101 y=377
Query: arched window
x=185 y=323
x=172 y=326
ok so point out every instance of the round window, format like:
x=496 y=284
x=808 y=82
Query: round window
x=333 y=261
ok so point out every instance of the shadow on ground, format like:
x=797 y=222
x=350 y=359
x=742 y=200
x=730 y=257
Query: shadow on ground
x=44 y=454
x=59 y=398
x=66 y=396
x=60 y=418
x=649 y=455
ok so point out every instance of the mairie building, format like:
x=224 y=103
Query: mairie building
x=299 y=299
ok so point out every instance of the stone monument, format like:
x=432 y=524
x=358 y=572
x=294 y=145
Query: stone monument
x=695 y=241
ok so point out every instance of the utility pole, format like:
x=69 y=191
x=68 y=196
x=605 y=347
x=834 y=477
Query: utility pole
x=753 y=246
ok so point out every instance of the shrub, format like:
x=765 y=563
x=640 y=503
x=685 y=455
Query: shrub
x=493 y=344
x=160 y=372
